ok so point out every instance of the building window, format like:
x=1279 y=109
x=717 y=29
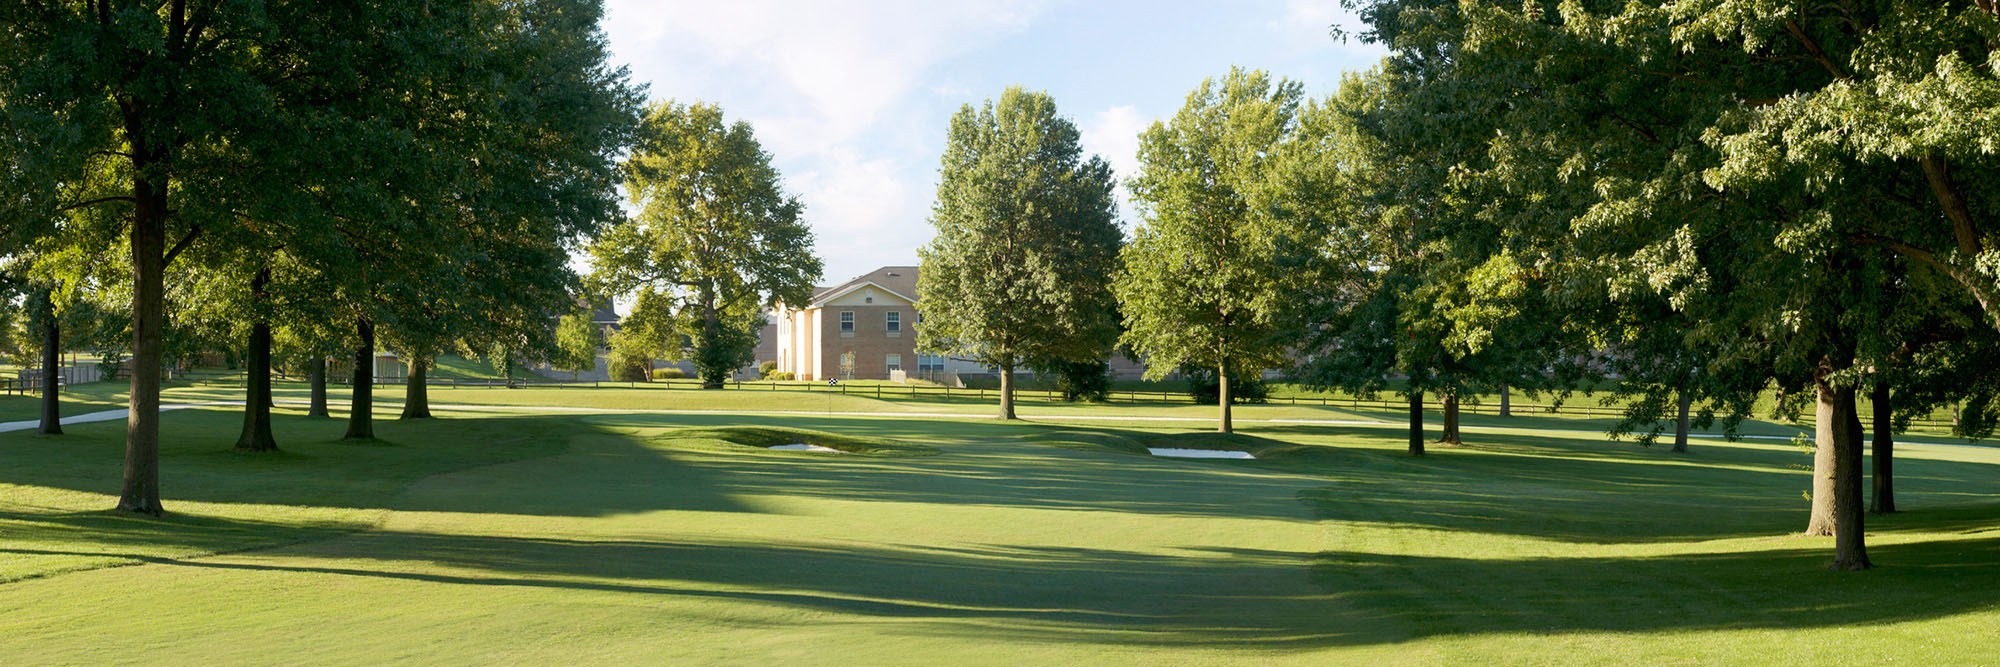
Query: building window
x=895 y=362
x=847 y=321
x=929 y=364
x=894 y=322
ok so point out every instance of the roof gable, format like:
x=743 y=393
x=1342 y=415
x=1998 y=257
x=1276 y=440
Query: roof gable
x=899 y=281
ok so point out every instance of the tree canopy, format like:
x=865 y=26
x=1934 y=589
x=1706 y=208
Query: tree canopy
x=1027 y=240
x=716 y=241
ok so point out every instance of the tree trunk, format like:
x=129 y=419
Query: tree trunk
x=361 y=416
x=417 y=398
x=1450 y=434
x=1506 y=402
x=1684 y=402
x=1884 y=499
x=51 y=363
x=256 y=436
x=711 y=332
x=318 y=405
x=1007 y=390
x=1416 y=423
x=1836 y=497
x=1222 y=399
x=140 y=492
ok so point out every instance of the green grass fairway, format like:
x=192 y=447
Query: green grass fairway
x=521 y=536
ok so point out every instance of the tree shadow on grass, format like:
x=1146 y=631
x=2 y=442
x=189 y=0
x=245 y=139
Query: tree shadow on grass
x=1212 y=597
x=984 y=464
x=1586 y=491
x=1771 y=588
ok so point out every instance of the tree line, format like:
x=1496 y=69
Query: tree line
x=1697 y=204
x=300 y=180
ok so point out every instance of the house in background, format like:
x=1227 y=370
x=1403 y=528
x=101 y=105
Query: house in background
x=864 y=329
x=605 y=318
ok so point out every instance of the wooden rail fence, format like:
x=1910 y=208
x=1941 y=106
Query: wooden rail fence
x=892 y=391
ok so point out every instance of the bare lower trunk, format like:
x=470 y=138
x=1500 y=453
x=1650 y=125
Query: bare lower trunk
x=417 y=398
x=1836 y=497
x=51 y=365
x=361 y=416
x=317 y=408
x=1223 y=423
x=1449 y=436
x=1506 y=402
x=256 y=436
x=141 y=490
x=711 y=378
x=1883 y=501
x=1007 y=390
x=1683 y=404
x=1416 y=423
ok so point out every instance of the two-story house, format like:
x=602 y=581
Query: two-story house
x=865 y=328
x=861 y=329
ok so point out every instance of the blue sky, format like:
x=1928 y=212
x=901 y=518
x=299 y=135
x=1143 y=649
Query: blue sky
x=852 y=98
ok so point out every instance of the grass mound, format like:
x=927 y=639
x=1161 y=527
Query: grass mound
x=763 y=437
x=1089 y=440
x=1265 y=449
x=1139 y=444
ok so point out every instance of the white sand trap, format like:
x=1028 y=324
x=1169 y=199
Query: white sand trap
x=803 y=447
x=1198 y=453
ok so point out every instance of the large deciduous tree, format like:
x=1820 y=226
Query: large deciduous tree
x=716 y=239
x=1209 y=277
x=269 y=125
x=1027 y=242
x=1759 y=169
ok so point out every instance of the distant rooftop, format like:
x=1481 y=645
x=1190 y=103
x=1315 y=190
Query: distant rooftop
x=899 y=279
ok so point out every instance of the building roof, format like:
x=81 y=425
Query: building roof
x=601 y=312
x=900 y=280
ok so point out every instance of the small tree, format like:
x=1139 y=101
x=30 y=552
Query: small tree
x=716 y=240
x=1027 y=240
x=577 y=343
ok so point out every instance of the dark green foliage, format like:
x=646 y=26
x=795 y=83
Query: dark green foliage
x=1083 y=381
x=1202 y=386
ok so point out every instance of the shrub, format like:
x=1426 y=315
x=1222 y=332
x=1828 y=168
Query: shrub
x=628 y=370
x=668 y=374
x=1083 y=380
x=764 y=370
x=1202 y=385
x=780 y=376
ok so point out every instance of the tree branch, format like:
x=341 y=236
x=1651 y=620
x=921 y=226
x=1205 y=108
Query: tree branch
x=1980 y=292
x=100 y=200
x=1812 y=47
x=1962 y=228
x=186 y=240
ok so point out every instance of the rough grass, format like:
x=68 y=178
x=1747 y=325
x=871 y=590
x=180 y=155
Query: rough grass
x=494 y=536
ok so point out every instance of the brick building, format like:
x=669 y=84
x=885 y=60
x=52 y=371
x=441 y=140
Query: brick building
x=863 y=329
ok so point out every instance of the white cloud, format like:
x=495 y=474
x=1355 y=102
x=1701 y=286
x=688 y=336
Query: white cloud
x=831 y=89
x=1307 y=26
x=1114 y=134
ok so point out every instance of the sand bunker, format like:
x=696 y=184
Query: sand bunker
x=1199 y=453
x=803 y=447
